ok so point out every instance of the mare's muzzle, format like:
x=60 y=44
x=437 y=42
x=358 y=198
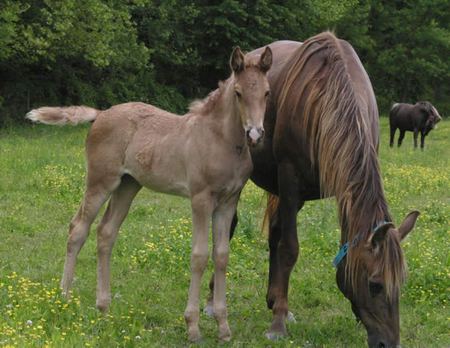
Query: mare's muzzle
x=254 y=135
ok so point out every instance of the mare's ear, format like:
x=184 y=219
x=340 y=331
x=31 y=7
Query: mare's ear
x=379 y=235
x=408 y=224
x=265 y=62
x=237 y=60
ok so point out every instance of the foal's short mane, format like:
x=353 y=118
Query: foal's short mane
x=208 y=104
x=341 y=130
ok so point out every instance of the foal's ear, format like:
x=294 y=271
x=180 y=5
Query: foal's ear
x=265 y=62
x=237 y=60
x=408 y=224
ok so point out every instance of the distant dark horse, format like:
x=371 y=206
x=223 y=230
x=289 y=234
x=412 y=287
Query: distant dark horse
x=421 y=117
x=321 y=140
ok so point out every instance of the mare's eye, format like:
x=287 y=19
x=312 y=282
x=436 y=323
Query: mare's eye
x=267 y=94
x=375 y=288
x=238 y=94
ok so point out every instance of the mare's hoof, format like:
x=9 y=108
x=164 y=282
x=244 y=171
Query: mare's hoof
x=208 y=310
x=275 y=336
x=290 y=318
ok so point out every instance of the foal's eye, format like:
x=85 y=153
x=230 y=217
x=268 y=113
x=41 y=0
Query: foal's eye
x=267 y=94
x=375 y=288
x=238 y=94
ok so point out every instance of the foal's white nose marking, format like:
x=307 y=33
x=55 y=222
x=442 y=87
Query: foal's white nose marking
x=254 y=134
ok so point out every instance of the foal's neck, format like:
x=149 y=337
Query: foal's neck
x=228 y=119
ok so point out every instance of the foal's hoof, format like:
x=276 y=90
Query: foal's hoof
x=208 y=310
x=224 y=333
x=194 y=336
x=103 y=305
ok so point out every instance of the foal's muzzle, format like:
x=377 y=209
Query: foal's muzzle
x=254 y=135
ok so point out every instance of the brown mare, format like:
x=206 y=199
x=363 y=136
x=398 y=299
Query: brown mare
x=322 y=140
x=203 y=155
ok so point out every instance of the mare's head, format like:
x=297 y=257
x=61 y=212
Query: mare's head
x=431 y=114
x=251 y=90
x=371 y=280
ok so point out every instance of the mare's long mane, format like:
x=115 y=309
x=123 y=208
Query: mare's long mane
x=340 y=132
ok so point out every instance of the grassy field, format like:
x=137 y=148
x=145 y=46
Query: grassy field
x=41 y=183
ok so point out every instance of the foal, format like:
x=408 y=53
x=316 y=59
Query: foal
x=203 y=155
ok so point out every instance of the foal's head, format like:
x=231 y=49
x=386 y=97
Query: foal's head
x=251 y=89
x=373 y=286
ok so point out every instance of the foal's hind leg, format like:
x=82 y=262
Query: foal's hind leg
x=94 y=197
x=117 y=210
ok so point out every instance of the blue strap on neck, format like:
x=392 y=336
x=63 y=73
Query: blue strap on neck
x=344 y=248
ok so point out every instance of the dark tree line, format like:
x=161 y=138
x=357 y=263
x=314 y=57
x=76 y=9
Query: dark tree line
x=104 y=52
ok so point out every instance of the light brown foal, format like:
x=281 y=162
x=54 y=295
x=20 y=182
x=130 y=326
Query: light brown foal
x=203 y=155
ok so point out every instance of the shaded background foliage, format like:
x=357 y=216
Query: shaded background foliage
x=104 y=52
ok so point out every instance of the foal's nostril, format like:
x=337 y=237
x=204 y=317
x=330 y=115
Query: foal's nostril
x=381 y=345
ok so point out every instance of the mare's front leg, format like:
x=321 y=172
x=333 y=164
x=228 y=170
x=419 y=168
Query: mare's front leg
x=209 y=301
x=416 y=133
x=222 y=220
x=202 y=207
x=287 y=250
x=422 y=139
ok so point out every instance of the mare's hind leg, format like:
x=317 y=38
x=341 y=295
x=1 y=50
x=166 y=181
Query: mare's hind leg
x=202 y=207
x=400 y=138
x=287 y=251
x=209 y=302
x=391 y=142
x=96 y=194
x=274 y=239
x=222 y=219
x=107 y=231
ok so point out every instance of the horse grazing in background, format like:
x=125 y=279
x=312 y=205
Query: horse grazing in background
x=421 y=117
x=203 y=156
x=322 y=140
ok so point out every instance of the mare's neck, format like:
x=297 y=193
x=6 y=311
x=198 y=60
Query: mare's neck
x=364 y=208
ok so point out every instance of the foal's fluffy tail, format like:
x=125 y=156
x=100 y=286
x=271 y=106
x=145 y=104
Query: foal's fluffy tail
x=61 y=116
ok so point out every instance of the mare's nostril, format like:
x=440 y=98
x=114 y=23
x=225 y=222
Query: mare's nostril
x=381 y=345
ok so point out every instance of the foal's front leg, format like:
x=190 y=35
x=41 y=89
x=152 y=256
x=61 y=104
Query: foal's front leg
x=222 y=220
x=202 y=207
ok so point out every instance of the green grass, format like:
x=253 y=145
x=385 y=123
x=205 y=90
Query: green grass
x=41 y=183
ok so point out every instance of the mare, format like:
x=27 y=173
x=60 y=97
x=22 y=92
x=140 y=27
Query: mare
x=203 y=156
x=421 y=117
x=321 y=140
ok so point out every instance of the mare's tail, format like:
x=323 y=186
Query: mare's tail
x=61 y=116
x=272 y=206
